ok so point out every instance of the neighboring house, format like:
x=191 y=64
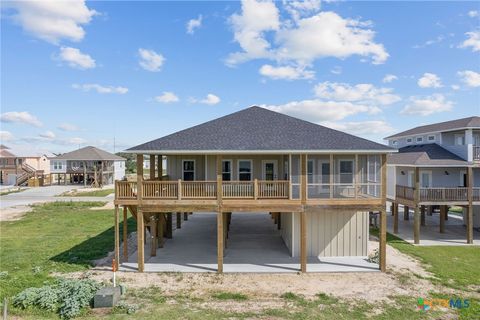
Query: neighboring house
x=16 y=168
x=437 y=165
x=319 y=183
x=87 y=166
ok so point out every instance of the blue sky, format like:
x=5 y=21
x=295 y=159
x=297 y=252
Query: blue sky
x=81 y=73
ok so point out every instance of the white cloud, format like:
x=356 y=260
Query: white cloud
x=470 y=78
x=389 y=78
x=473 y=40
x=364 y=92
x=361 y=128
x=473 y=13
x=317 y=110
x=210 y=99
x=428 y=105
x=99 y=88
x=6 y=136
x=49 y=135
x=336 y=70
x=76 y=140
x=150 y=60
x=455 y=87
x=302 y=41
x=68 y=127
x=193 y=24
x=285 y=72
x=167 y=97
x=429 y=80
x=76 y=59
x=20 y=117
x=52 y=20
x=257 y=17
x=299 y=9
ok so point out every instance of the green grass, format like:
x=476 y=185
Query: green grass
x=452 y=266
x=229 y=296
x=54 y=237
x=95 y=193
x=4 y=193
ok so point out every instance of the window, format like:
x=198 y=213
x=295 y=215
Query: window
x=310 y=171
x=459 y=139
x=431 y=138
x=394 y=142
x=346 y=171
x=245 y=170
x=409 y=140
x=419 y=139
x=57 y=165
x=226 y=170
x=325 y=172
x=188 y=170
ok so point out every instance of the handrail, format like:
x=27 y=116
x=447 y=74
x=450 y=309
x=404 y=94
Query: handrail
x=437 y=193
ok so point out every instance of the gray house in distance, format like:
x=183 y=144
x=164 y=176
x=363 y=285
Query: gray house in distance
x=87 y=166
x=437 y=166
x=319 y=184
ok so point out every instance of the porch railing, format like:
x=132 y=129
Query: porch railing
x=438 y=194
x=125 y=190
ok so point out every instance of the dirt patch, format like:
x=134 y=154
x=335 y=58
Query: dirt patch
x=14 y=213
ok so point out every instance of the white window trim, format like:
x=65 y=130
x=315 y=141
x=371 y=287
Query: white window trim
x=231 y=168
x=353 y=168
x=462 y=173
x=421 y=173
x=434 y=138
x=394 y=142
x=408 y=142
x=251 y=168
x=418 y=139
x=194 y=167
x=458 y=135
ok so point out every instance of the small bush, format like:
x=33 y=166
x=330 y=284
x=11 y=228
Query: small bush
x=123 y=307
x=289 y=296
x=67 y=297
x=230 y=296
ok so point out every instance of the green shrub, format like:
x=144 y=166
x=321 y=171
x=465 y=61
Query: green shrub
x=123 y=307
x=67 y=297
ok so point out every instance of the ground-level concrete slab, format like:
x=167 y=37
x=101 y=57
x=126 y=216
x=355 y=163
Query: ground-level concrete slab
x=254 y=245
x=455 y=231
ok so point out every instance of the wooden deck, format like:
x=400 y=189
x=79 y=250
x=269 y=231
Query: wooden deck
x=433 y=196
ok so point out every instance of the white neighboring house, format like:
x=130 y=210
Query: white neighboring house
x=86 y=166
x=443 y=157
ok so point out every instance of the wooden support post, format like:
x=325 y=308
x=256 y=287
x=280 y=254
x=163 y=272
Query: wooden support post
x=161 y=234
x=383 y=241
x=422 y=216
x=303 y=178
x=392 y=210
x=224 y=217
x=279 y=222
x=356 y=178
x=303 y=241
x=416 y=211
x=140 y=241
x=332 y=172
x=179 y=220
x=255 y=189
x=443 y=213
x=470 y=206
x=185 y=216
x=125 y=234
x=139 y=177
x=446 y=213
x=117 y=237
x=395 y=218
x=406 y=213
x=152 y=167
x=153 y=235
x=220 y=242
x=430 y=211
x=169 y=233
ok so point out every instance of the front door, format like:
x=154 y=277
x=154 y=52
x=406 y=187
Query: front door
x=426 y=179
x=269 y=170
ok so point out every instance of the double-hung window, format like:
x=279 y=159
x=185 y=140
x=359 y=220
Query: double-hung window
x=226 y=170
x=245 y=170
x=346 y=171
x=188 y=170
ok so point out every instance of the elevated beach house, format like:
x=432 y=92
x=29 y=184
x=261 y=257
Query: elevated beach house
x=88 y=166
x=319 y=184
x=437 y=166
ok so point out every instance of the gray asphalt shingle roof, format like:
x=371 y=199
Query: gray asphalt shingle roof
x=259 y=129
x=88 y=154
x=425 y=155
x=470 y=122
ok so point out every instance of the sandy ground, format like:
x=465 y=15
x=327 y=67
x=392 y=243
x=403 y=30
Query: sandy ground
x=372 y=287
x=14 y=213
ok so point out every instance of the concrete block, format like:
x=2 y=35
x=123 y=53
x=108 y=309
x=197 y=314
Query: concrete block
x=106 y=297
